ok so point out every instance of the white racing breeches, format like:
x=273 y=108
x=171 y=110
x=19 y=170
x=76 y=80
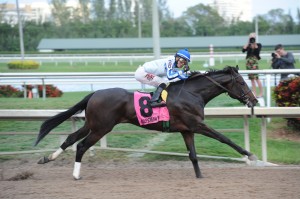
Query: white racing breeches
x=147 y=78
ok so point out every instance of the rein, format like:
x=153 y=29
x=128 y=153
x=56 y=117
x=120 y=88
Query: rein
x=181 y=88
x=219 y=85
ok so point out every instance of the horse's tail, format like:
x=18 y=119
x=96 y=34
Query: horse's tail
x=56 y=120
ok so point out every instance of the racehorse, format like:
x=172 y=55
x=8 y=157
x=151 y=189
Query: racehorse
x=186 y=101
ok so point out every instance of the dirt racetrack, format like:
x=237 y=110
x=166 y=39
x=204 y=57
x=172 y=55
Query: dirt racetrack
x=155 y=180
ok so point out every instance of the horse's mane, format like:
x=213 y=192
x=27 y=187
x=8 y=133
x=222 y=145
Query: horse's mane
x=193 y=74
x=227 y=69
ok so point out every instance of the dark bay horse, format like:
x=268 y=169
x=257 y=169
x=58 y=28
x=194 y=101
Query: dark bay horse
x=186 y=101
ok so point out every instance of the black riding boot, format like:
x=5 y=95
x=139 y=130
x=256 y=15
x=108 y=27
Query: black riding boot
x=155 y=97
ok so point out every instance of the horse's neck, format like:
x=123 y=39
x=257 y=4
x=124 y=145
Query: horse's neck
x=211 y=93
x=206 y=89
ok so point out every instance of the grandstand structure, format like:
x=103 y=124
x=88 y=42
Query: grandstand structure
x=48 y=45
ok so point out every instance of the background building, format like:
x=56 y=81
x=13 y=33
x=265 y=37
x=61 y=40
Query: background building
x=233 y=9
x=41 y=11
x=37 y=11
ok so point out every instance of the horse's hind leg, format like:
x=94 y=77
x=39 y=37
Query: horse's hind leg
x=71 y=139
x=82 y=147
x=190 y=145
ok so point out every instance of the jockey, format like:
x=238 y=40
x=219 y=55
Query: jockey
x=160 y=72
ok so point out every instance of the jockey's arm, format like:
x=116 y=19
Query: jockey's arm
x=177 y=73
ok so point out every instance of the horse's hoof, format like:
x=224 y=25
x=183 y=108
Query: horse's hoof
x=199 y=176
x=77 y=178
x=43 y=160
x=252 y=158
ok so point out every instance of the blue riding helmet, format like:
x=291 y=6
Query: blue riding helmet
x=184 y=53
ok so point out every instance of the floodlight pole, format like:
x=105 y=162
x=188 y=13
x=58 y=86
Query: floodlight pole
x=139 y=20
x=20 y=31
x=155 y=30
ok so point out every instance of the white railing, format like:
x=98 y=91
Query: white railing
x=37 y=115
x=216 y=112
x=132 y=58
x=112 y=79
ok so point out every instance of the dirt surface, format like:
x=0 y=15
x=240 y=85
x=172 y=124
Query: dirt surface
x=136 y=179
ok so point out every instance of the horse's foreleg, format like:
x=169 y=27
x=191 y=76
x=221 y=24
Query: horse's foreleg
x=82 y=147
x=190 y=145
x=209 y=132
x=71 y=139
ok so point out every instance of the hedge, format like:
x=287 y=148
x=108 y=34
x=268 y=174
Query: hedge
x=23 y=65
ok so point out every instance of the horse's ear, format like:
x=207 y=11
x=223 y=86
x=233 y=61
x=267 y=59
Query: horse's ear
x=237 y=67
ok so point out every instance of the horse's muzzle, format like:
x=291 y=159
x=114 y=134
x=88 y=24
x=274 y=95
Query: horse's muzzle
x=251 y=103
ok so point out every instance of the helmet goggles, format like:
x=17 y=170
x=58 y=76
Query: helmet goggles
x=182 y=60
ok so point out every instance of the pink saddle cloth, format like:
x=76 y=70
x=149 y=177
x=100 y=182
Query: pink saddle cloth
x=145 y=113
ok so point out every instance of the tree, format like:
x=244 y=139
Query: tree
x=146 y=6
x=204 y=20
x=84 y=11
x=112 y=10
x=98 y=10
x=124 y=10
x=278 y=22
x=120 y=19
x=239 y=28
x=60 y=12
x=163 y=10
x=32 y=35
x=7 y=36
x=298 y=19
x=175 y=28
x=2 y=8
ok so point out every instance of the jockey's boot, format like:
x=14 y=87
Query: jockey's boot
x=156 y=95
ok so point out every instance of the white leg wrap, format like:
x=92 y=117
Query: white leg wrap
x=76 y=171
x=54 y=155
